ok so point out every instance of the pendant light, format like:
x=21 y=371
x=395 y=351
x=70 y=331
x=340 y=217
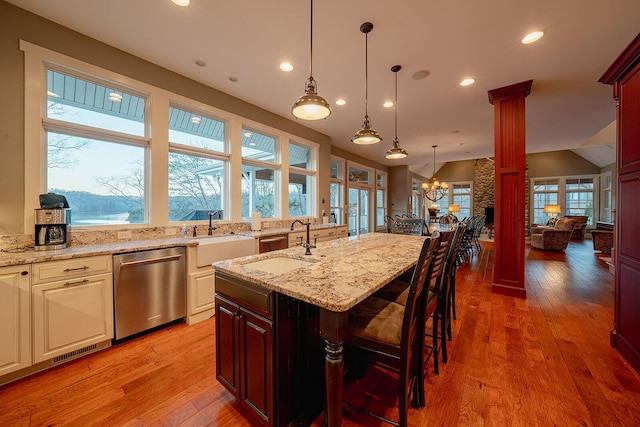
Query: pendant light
x=311 y=106
x=434 y=190
x=366 y=135
x=396 y=152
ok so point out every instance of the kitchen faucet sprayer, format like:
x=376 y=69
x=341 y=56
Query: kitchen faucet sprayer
x=211 y=227
x=307 y=245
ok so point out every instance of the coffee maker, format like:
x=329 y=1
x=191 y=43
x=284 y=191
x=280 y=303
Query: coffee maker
x=52 y=222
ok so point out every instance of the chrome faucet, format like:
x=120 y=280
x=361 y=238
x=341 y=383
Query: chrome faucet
x=211 y=228
x=307 y=245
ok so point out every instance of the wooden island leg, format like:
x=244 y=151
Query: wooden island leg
x=333 y=329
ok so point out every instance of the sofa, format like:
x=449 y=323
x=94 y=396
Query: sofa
x=554 y=238
x=580 y=227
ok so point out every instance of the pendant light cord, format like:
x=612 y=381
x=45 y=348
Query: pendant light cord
x=366 y=74
x=396 y=109
x=311 y=45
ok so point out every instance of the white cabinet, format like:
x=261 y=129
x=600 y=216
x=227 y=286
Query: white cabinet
x=15 y=328
x=72 y=306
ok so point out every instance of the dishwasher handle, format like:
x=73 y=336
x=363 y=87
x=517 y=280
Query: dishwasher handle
x=151 y=260
x=273 y=239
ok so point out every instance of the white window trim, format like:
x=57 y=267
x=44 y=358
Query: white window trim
x=36 y=61
x=562 y=193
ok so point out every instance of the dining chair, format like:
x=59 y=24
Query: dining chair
x=392 y=334
x=448 y=288
x=397 y=291
x=412 y=226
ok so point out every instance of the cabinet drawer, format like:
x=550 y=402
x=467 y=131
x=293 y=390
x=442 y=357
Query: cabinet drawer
x=254 y=297
x=59 y=270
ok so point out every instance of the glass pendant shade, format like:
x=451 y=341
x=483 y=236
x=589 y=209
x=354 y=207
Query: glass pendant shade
x=366 y=135
x=311 y=106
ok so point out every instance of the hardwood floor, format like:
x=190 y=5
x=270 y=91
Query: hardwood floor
x=540 y=361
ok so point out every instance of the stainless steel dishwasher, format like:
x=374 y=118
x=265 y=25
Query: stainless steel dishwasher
x=149 y=289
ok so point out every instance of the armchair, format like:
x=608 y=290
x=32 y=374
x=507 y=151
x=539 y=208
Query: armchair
x=554 y=238
x=580 y=227
x=602 y=240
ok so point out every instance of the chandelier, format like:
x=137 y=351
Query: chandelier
x=433 y=189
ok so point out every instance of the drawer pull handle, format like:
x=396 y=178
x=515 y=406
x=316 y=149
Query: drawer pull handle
x=76 y=283
x=69 y=270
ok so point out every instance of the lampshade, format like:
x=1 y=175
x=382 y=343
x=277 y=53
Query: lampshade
x=454 y=208
x=311 y=106
x=554 y=209
x=396 y=152
x=366 y=135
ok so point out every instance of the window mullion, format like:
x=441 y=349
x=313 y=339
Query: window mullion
x=74 y=129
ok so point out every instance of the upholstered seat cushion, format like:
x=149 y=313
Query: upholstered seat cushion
x=377 y=319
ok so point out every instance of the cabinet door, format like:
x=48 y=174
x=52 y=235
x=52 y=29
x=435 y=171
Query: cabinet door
x=201 y=292
x=227 y=351
x=256 y=349
x=15 y=329
x=71 y=315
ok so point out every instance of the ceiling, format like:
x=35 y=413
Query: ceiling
x=246 y=40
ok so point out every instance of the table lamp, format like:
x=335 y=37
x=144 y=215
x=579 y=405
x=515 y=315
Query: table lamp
x=552 y=211
x=453 y=209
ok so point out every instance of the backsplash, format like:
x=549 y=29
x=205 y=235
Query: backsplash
x=11 y=242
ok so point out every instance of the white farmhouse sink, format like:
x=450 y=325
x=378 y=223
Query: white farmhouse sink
x=278 y=265
x=219 y=248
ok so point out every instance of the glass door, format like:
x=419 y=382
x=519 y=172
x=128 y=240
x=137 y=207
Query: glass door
x=358 y=211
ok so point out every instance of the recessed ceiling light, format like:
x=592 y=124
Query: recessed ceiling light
x=200 y=63
x=252 y=144
x=285 y=66
x=233 y=79
x=341 y=102
x=115 y=97
x=388 y=104
x=53 y=94
x=181 y=2
x=533 y=37
x=195 y=120
x=247 y=134
x=421 y=74
x=467 y=82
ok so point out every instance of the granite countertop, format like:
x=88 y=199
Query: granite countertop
x=274 y=231
x=343 y=271
x=30 y=256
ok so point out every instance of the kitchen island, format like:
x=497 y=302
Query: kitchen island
x=334 y=278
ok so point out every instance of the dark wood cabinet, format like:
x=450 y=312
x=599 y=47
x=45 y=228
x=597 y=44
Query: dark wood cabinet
x=246 y=366
x=624 y=75
x=269 y=353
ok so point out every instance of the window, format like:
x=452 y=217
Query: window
x=575 y=195
x=418 y=200
x=336 y=190
x=96 y=149
x=301 y=180
x=259 y=174
x=605 y=195
x=381 y=199
x=545 y=192
x=358 y=199
x=579 y=197
x=197 y=166
x=461 y=195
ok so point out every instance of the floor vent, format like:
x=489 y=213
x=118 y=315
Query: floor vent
x=75 y=353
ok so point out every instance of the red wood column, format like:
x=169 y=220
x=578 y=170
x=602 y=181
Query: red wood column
x=510 y=181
